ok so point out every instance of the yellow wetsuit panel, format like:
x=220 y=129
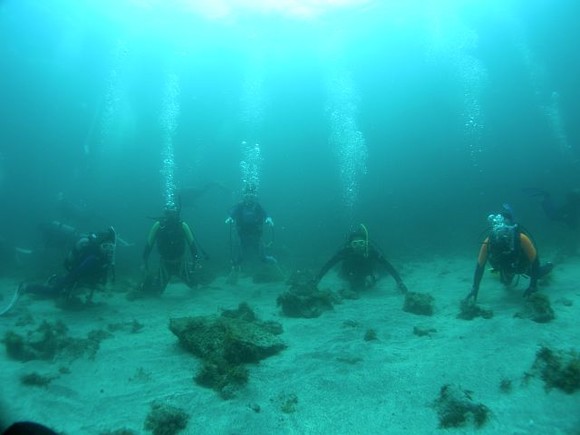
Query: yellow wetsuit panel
x=528 y=248
x=482 y=257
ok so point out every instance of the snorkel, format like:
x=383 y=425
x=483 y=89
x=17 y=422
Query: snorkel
x=366 y=233
x=359 y=241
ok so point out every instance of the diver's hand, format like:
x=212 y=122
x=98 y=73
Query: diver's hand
x=471 y=297
x=229 y=220
x=402 y=287
x=529 y=291
x=269 y=221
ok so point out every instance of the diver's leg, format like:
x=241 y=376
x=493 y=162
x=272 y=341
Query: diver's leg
x=187 y=272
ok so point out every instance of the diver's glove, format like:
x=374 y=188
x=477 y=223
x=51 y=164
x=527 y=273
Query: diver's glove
x=472 y=296
x=402 y=287
x=269 y=221
x=229 y=220
x=529 y=291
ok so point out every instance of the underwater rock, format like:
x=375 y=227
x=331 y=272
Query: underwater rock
x=36 y=379
x=236 y=340
x=287 y=402
x=133 y=327
x=165 y=419
x=255 y=407
x=43 y=343
x=469 y=311
x=225 y=343
x=306 y=306
x=222 y=376
x=456 y=408
x=50 y=340
x=419 y=303
x=243 y=312
x=303 y=299
x=558 y=369
x=537 y=308
x=370 y=335
x=420 y=331
x=505 y=386
x=349 y=323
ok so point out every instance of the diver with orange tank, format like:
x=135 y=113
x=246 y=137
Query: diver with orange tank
x=510 y=251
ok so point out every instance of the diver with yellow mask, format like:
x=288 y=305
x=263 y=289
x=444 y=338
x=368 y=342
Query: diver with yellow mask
x=361 y=263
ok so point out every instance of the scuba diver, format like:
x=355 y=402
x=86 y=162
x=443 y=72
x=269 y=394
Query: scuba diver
x=249 y=218
x=91 y=262
x=360 y=260
x=567 y=212
x=510 y=251
x=172 y=236
x=188 y=196
x=59 y=235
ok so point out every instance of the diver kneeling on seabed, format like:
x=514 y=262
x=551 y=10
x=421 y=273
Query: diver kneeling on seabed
x=510 y=251
x=90 y=263
x=172 y=236
x=247 y=220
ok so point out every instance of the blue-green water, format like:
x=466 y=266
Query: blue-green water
x=453 y=104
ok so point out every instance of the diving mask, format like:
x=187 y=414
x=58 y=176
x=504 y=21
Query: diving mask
x=358 y=244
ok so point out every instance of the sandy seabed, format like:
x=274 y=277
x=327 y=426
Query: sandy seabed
x=337 y=382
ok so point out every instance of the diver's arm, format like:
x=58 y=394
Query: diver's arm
x=190 y=240
x=479 y=269
x=532 y=256
x=234 y=214
x=150 y=241
x=236 y=211
x=74 y=254
x=390 y=269
x=339 y=256
x=264 y=217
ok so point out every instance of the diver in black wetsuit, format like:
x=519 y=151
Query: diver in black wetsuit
x=89 y=263
x=174 y=240
x=567 y=212
x=361 y=262
x=510 y=251
x=249 y=218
